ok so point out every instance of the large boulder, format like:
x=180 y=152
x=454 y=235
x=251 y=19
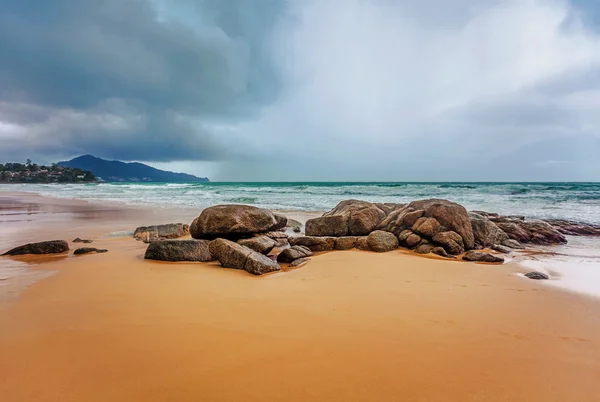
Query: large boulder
x=260 y=244
x=381 y=242
x=233 y=255
x=314 y=243
x=426 y=227
x=293 y=253
x=348 y=218
x=451 y=241
x=45 y=247
x=530 y=231
x=234 y=222
x=452 y=216
x=486 y=232
x=179 y=250
x=479 y=256
x=148 y=234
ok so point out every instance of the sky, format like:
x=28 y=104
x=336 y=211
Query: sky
x=307 y=90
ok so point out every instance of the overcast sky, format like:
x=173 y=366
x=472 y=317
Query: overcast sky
x=429 y=90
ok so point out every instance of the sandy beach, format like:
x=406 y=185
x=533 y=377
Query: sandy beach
x=349 y=326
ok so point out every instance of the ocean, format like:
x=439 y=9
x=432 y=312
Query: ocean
x=575 y=201
x=575 y=266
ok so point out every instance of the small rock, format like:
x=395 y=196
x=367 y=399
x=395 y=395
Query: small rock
x=512 y=244
x=502 y=249
x=314 y=243
x=408 y=238
x=87 y=250
x=293 y=253
x=299 y=262
x=294 y=225
x=78 y=240
x=478 y=256
x=381 y=242
x=538 y=276
x=441 y=252
x=424 y=249
x=45 y=247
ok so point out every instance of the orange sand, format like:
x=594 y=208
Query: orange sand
x=349 y=326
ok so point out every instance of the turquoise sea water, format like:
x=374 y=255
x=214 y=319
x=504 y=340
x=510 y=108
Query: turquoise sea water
x=576 y=201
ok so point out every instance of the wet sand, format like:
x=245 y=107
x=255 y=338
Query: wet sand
x=349 y=326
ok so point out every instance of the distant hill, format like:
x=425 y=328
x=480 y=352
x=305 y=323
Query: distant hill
x=116 y=171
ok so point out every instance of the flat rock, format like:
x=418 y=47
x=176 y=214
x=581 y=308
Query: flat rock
x=233 y=255
x=261 y=244
x=78 y=240
x=293 y=253
x=381 y=242
x=88 y=250
x=179 y=250
x=45 y=247
x=479 y=256
x=502 y=249
x=314 y=243
x=572 y=228
x=152 y=233
x=346 y=242
x=235 y=222
x=299 y=262
x=538 y=276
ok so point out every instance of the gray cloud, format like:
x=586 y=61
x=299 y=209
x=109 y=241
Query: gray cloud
x=352 y=90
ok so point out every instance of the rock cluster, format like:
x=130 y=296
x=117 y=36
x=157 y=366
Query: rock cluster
x=152 y=233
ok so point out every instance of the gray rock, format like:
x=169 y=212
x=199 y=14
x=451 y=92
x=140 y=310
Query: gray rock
x=261 y=244
x=293 y=253
x=149 y=234
x=299 y=262
x=538 y=276
x=478 y=256
x=45 y=247
x=179 y=250
x=486 y=232
x=88 y=250
x=502 y=249
x=381 y=242
x=314 y=243
x=233 y=255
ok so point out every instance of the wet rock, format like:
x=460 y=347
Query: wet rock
x=314 y=243
x=346 y=242
x=479 y=256
x=88 y=250
x=78 y=240
x=409 y=239
x=179 y=250
x=299 y=262
x=381 y=242
x=513 y=244
x=293 y=253
x=233 y=255
x=502 y=249
x=530 y=231
x=261 y=244
x=426 y=227
x=572 y=228
x=486 y=232
x=538 y=276
x=235 y=222
x=451 y=241
x=152 y=233
x=45 y=247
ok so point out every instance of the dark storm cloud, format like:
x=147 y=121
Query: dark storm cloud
x=76 y=56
